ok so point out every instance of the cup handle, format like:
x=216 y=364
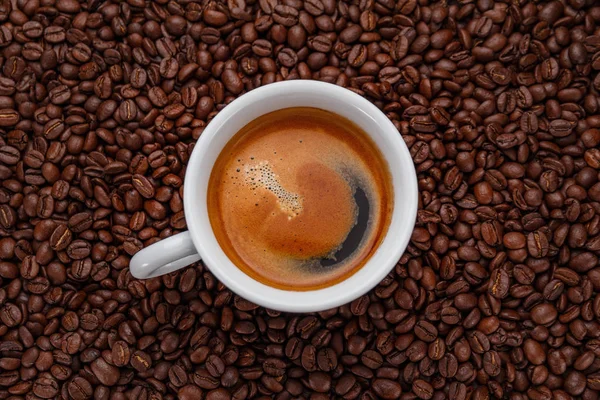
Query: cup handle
x=163 y=257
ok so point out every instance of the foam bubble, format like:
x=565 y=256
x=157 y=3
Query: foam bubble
x=261 y=175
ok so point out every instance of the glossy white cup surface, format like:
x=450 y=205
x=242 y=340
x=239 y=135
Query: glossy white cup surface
x=180 y=250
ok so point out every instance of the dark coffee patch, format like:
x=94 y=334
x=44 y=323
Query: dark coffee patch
x=356 y=235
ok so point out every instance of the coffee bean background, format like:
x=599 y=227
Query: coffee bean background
x=497 y=295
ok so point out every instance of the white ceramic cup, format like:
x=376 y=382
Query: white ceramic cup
x=200 y=242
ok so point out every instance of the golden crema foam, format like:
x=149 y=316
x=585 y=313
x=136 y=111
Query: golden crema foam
x=300 y=198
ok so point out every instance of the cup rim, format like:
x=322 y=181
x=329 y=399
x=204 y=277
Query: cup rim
x=388 y=252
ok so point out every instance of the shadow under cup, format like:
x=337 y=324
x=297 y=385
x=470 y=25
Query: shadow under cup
x=301 y=94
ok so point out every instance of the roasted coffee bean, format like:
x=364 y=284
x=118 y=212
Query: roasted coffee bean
x=422 y=389
x=106 y=373
x=560 y=128
x=78 y=249
x=45 y=387
x=387 y=389
x=29 y=268
x=274 y=367
x=140 y=361
x=80 y=222
x=262 y=48
x=357 y=56
x=232 y=81
x=321 y=43
x=10 y=315
x=61 y=237
x=287 y=57
x=215 y=366
x=309 y=361
x=9 y=117
x=327 y=359
x=499 y=283
x=79 y=388
x=143 y=186
x=121 y=353
x=285 y=15
x=425 y=331
x=9 y=155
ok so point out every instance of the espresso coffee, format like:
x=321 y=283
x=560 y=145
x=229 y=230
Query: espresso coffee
x=300 y=198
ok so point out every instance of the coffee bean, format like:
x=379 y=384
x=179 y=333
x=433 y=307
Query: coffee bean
x=357 y=56
x=287 y=57
x=351 y=34
x=78 y=249
x=121 y=353
x=61 y=237
x=80 y=222
x=204 y=380
x=232 y=81
x=285 y=15
x=309 y=361
x=371 y=359
x=143 y=186
x=537 y=244
x=327 y=359
x=560 y=128
x=321 y=43
x=262 y=48
x=293 y=348
x=215 y=366
x=168 y=67
x=29 y=268
x=10 y=315
x=79 y=389
x=60 y=94
x=214 y=17
x=9 y=117
x=9 y=155
x=499 y=283
x=387 y=389
x=425 y=331
x=140 y=361
x=9 y=378
x=422 y=389
x=8 y=216
x=534 y=352
x=45 y=387
x=492 y=363
x=9 y=270
x=128 y=110
x=274 y=367
x=107 y=374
